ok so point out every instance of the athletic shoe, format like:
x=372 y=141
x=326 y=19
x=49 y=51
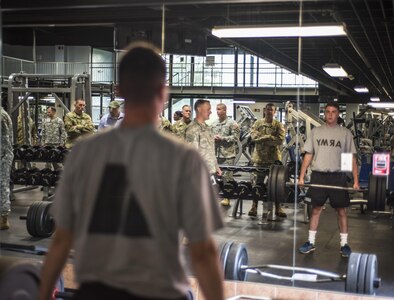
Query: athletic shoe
x=307 y=248
x=345 y=251
x=280 y=213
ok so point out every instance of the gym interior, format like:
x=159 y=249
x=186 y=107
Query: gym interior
x=56 y=53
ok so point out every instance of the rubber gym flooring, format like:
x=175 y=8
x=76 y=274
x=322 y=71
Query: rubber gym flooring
x=270 y=242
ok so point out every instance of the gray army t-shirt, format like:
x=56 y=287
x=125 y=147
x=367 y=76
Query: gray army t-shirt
x=326 y=144
x=143 y=188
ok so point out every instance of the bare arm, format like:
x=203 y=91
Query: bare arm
x=356 y=184
x=206 y=266
x=305 y=164
x=54 y=262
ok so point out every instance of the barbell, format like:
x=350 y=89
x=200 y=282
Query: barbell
x=39 y=223
x=278 y=188
x=361 y=276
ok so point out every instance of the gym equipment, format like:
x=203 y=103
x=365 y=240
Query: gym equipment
x=39 y=223
x=244 y=188
x=230 y=189
x=20 y=280
x=361 y=276
x=278 y=187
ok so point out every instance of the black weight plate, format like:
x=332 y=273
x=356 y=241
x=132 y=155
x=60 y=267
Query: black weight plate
x=237 y=257
x=352 y=272
x=362 y=274
x=31 y=219
x=282 y=191
x=271 y=184
x=371 y=274
x=381 y=193
x=20 y=281
x=44 y=223
x=371 y=204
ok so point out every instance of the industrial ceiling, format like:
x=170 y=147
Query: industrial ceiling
x=366 y=53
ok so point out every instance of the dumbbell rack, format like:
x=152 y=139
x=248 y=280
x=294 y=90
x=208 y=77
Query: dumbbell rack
x=23 y=173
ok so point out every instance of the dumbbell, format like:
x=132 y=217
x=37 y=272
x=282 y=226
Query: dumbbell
x=258 y=192
x=230 y=189
x=20 y=176
x=62 y=152
x=48 y=177
x=244 y=188
x=34 y=177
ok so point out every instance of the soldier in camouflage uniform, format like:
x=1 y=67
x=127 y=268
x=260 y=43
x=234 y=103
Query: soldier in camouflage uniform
x=180 y=126
x=7 y=156
x=77 y=123
x=53 y=132
x=32 y=138
x=164 y=124
x=226 y=134
x=268 y=135
x=199 y=135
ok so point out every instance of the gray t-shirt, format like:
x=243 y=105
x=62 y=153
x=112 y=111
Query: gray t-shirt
x=326 y=144
x=126 y=194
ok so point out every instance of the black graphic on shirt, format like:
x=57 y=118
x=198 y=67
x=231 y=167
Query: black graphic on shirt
x=329 y=143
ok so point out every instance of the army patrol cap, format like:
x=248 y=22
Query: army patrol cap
x=114 y=104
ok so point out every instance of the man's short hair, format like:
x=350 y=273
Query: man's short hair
x=142 y=72
x=200 y=102
x=53 y=109
x=178 y=113
x=332 y=104
x=222 y=105
x=186 y=105
x=270 y=105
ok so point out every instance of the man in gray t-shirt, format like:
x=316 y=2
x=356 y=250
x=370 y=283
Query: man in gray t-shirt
x=127 y=195
x=323 y=150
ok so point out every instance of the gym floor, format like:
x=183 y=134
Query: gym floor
x=273 y=242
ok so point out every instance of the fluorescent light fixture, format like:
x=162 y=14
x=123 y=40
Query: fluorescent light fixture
x=374 y=99
x=246 y=31
x=381 y=104
x=335 y=70
x=244 y=101
x=361 y=89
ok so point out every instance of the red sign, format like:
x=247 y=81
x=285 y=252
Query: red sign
x=381 y=164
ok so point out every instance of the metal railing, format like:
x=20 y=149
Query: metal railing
x=183 y=74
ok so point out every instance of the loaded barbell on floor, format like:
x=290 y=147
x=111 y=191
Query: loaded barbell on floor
x=361 y=276
x=278 y=188
x=39 y=222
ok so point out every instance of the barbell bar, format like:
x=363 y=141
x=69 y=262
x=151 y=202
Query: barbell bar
x=361 y=276
x=278 y=188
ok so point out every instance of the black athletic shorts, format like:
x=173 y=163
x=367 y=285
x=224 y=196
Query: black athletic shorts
x=99 y=291
x=338 y=198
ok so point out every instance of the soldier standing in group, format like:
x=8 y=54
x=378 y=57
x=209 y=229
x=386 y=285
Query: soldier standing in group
x=53 y=132
x=164 y=124
x=77 y=123
x=226 y=134
x=7 y=156
x=180 y=126
x=113 y=118
x=268 y=135
x=32 y=137
x=199 y=135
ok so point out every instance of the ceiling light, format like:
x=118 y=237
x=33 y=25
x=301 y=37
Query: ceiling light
x=361 y=89
x=334 y=70
x=244 y=101
x=375 y=99
x=243 y=31
x=381 y=105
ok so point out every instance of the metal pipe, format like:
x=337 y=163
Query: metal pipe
x=361 y=54
x=385 y=25
x=163 y=28
x=378 y=36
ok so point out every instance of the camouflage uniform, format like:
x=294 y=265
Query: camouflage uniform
x=268 y=137
x=77 y=126
x=53 y=132
x=179 y=128
x=226 y=148
x=7 y=156
x=200 y=137
x=20 y=133
x=164 y=124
